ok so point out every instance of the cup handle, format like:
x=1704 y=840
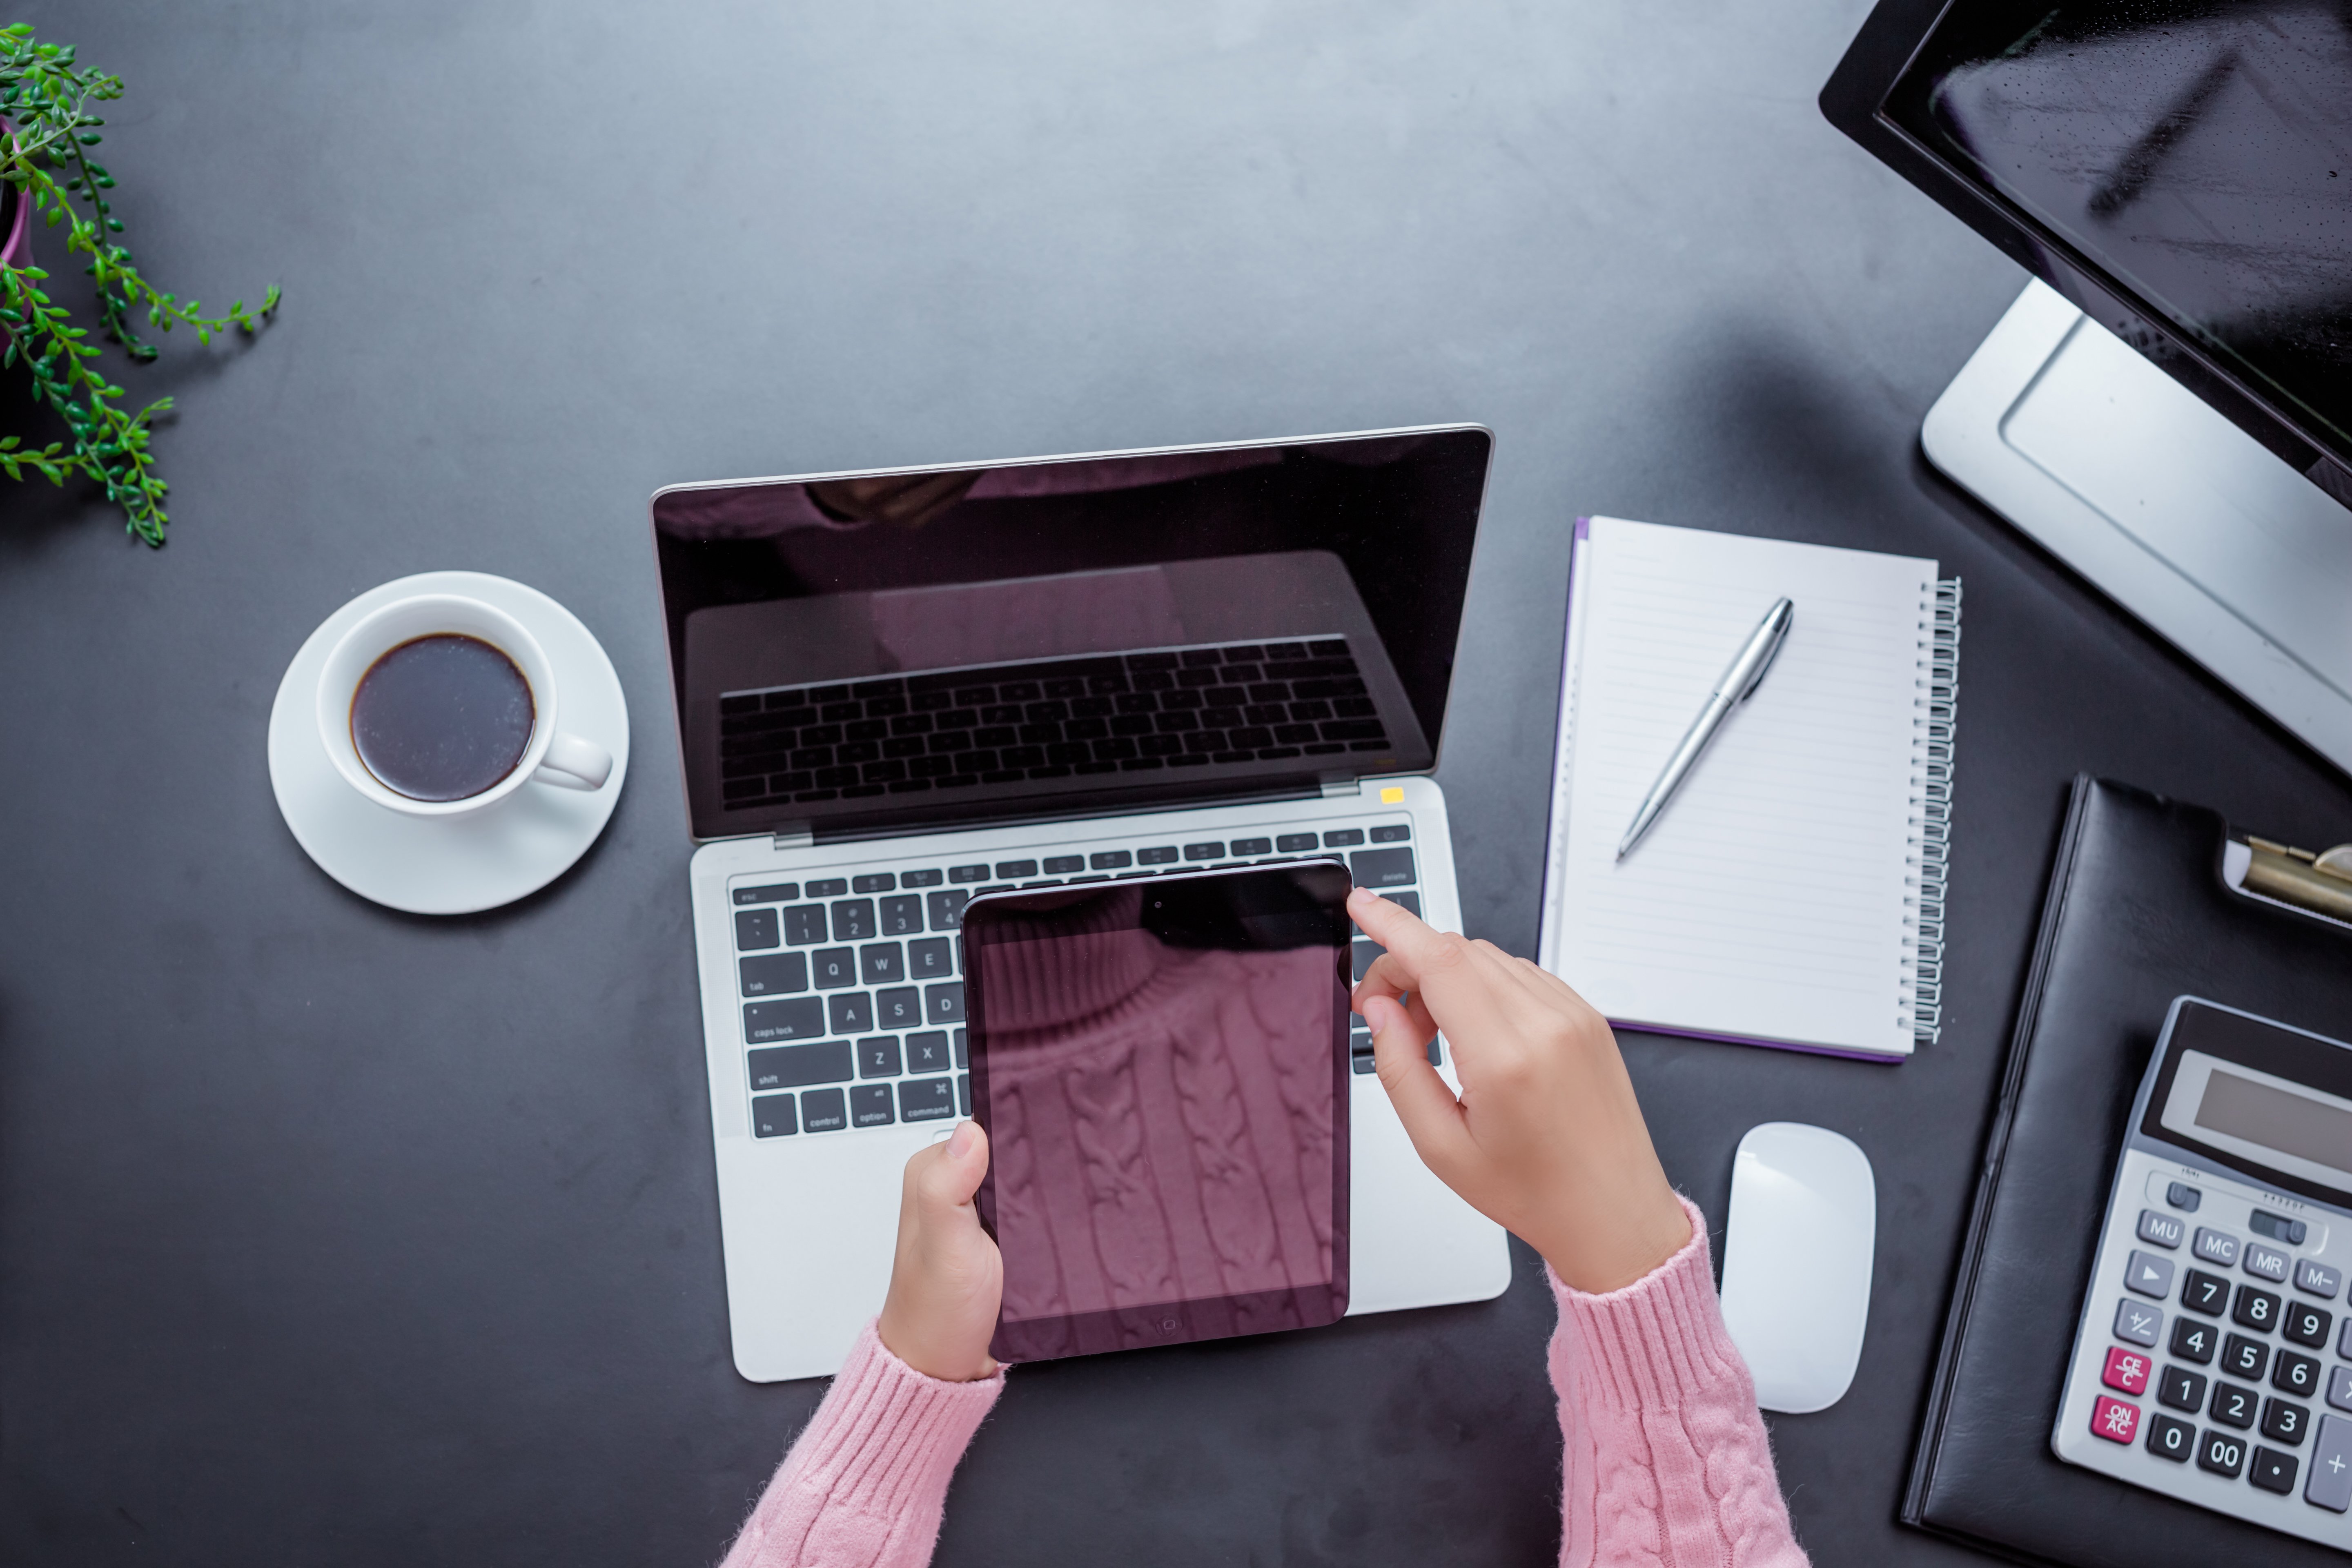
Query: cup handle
x=576 y=763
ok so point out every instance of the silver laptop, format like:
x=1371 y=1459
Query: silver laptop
x=897 y=689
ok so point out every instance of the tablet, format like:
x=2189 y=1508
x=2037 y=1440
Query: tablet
x=1162 y=1068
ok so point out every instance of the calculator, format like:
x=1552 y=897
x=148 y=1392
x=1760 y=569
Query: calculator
x=2214 y=1360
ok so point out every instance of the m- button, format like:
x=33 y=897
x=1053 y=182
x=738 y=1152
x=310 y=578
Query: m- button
x=2216 y=1247
x=2161 y=1230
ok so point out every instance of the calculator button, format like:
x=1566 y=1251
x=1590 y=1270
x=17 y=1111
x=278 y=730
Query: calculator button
x=2295 y=1374
x=2180 y=1388
x=2330 y=1485
x=2206 y=1293
x=2243 y=1357
x=2234 y=1406
x=2283 y=1422
x=2169 y=1437
x=2113 y=1420
x=2306 y=1324
x=2216 y=1247
x=2126 y=1370
x=2273 y=1472
x=2149 y=1275
x=2183 y=1197
x=2339 y=1387
x=2193 y=1341
x=2161 y=1230
x=2255 y=1309
x=2136 y=1324
x=2264 y=1263
x=2221 y=1454
x=2318 y=1279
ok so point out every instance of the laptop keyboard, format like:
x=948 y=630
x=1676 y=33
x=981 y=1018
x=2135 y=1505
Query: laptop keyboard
x=1009 y=723
x=851 y=985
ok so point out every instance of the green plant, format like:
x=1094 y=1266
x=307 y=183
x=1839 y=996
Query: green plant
x=46 y=102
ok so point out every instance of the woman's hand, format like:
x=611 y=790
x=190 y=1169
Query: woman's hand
x=1547 y=1139
x=948 y=1279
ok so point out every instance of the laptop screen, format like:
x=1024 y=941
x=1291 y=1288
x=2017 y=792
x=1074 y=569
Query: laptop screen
x=865 y=652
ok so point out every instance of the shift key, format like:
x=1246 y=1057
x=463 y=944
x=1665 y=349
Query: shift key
x=1382 y=867
x=787 y=1018
x=795 y=1066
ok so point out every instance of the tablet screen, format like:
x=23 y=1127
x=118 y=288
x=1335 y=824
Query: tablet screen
x=1161 y=1067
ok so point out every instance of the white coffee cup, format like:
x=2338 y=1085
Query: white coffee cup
x=552 y=757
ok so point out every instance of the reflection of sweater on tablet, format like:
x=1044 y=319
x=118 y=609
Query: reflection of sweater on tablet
x=1667 y=1460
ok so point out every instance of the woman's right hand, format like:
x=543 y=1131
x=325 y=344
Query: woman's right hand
x=1547 y=1138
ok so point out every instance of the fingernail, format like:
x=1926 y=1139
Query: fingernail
x=960 y=1143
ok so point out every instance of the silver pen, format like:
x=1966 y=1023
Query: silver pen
x=1738 y=684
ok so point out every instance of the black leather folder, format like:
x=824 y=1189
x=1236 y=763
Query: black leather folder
x=2138 y=914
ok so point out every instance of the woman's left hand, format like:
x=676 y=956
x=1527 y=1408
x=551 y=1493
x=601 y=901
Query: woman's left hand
x=948 y=1279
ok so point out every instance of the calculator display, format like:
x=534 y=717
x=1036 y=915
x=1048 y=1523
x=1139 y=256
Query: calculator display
x=2281 y=1124
x=2212 y=1362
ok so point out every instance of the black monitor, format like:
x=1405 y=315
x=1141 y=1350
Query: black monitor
x=2181 y=173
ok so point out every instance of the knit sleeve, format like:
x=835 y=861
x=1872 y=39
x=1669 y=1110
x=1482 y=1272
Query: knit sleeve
x=863 y=1485
x=1667 y=1460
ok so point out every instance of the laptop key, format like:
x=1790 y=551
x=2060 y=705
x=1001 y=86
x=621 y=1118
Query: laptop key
x=964 y=1094
x=834 y=967
x=754 y=928
x=877 y=1056
x=851 y=1012
x=877 y=882
x=927 y=1100
x=881 y=963
x=919 y=878
x=902 y=916
x=774 y=893
x=1404 y=900
x=967 y=873
x=794 y=1067
x=799 y=1018
x=853 y=920
x=943 y=1003
x=929 y=1052
x=933 y=958
x=869 y=1106
x=900 y=1009
x=946 y=908
x=1382 y=867
x=1391 y=833
x=1251 y=846
x=773 y=974
x=772 y=1116
x=830 y=888
x=804 y=925
x=824 y=1110
x=1294 y=843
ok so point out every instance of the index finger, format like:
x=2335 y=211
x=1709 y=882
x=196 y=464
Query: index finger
x=1413 y=940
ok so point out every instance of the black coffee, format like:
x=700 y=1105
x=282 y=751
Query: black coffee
x=442 y=718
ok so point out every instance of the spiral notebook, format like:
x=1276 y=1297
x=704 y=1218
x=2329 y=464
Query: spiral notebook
x=1792 y=893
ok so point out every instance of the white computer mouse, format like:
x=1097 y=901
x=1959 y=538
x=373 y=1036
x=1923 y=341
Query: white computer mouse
x=1796 y=1262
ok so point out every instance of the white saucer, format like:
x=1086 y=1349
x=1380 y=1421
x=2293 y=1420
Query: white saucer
x=431 y=866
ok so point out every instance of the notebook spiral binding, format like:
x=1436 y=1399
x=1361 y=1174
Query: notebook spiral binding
x=1931 y=809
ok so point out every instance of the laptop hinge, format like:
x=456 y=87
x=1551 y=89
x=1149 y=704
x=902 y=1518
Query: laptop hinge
x=793 y=838
x=1340 y=788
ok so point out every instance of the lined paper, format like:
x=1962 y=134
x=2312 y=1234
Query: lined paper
x=1776 y=897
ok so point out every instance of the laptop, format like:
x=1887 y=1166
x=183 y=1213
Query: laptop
x=896 y=689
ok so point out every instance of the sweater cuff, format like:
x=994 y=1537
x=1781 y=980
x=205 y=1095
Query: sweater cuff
x=886 y=1435
x=1659 y=1342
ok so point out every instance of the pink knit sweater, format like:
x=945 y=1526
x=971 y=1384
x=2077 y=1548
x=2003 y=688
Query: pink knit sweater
x=1668 y=1461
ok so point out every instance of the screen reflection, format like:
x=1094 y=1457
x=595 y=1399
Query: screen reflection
x=1164 y=1097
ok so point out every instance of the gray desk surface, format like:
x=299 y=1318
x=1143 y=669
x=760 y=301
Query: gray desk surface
x=330 y=1235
